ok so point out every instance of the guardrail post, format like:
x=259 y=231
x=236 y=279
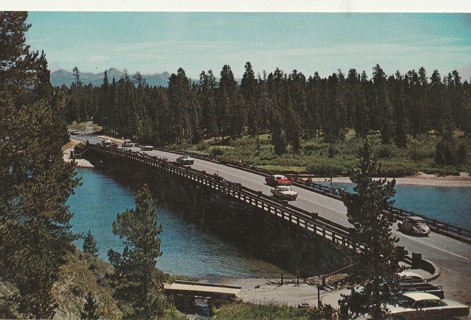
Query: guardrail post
x=401 y=251
x=416 y=260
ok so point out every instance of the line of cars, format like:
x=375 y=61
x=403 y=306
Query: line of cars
x=417 y=300
x=282 y=189
x=182 y=160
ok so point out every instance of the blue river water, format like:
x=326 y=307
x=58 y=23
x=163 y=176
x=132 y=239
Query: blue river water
x=447 y=204
x=189 y=250
x=186 y=249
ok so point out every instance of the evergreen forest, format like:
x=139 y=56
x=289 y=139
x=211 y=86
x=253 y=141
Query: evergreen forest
x=402 y=111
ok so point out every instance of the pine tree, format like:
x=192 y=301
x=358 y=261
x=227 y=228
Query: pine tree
x=248 y=88
x=378 y=263
x=207 y=86
x=90 y=309
x=34 y=220
x=136 y=279
x=278 y=138
x=89 y=244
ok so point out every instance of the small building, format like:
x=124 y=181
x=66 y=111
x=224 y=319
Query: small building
x=189 y=296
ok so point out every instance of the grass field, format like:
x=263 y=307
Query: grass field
x=330 y=160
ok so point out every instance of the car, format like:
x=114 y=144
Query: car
x=410 y=276
x=277 y=180
x=284 y=193
x=106 y=142
x=73 y=132
x=147 y=148
x=185 y=160
x=421 y=305
x=127 y=144
x=415 y=226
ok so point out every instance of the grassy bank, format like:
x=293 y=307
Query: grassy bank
x=330 y=160
x=82 y=126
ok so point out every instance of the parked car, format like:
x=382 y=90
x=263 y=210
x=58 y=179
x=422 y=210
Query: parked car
x=415 y=226
x=277 y=180
x=420 y=305
x=147 y=148
x=185 y=160
x=284 y=193
x=410 y=276
x=127 y=144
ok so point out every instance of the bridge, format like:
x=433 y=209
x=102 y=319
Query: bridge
x=317 y=212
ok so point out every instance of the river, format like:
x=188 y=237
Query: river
x=189 y=250
x=447 y=204
x=186 y=248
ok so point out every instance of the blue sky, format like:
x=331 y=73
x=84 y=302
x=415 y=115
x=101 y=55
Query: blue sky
x=154 y=42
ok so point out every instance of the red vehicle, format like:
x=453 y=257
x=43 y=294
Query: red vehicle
x=277 y=180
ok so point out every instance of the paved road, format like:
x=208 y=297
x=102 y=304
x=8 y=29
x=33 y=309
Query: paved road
x=452 y=255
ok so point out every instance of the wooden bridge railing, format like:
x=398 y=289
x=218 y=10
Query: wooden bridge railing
x=308 y=221
x=438 y=226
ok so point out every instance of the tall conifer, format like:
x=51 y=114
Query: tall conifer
x=35 y=181
x=136 y=279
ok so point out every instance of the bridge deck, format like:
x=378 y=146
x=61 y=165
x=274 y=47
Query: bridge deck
x=452 y=254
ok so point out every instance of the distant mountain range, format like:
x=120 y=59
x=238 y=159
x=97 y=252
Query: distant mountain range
x=60 y=77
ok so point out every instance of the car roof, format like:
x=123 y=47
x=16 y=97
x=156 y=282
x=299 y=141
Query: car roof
x=415 y=218
x=279 y=176
x=419 y=296
x=407 y=273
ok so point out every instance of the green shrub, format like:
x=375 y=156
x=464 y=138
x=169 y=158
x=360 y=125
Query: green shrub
x=384 y=151
x=78 y=148
x=448 y=171
x=202 y=146
x=242 y=311
x=326 y=169
x=216 y=152
x=397 y=169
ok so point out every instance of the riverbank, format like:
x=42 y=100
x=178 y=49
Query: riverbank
x=271 y=291
x=420 y=179
x=66 y=155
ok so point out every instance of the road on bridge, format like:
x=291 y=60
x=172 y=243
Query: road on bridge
x=452 y=256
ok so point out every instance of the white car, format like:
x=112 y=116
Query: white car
x=284 y=193
x=185 y=160
x=415 y=226
x=127 y=143
x=420 y=305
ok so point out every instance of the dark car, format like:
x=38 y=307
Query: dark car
x=277 y=180
x=185 y=160
x=415 y=226
x=106 y=143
